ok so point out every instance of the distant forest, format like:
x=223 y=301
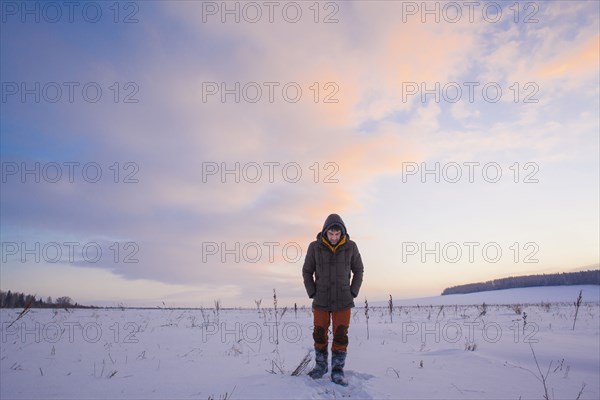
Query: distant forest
x=20 y=300
x=590 y=277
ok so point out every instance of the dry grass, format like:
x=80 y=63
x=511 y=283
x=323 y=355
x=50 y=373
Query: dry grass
x=22 y=314
x=303 y=364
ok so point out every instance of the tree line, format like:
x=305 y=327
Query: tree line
x=590 y=277
x=20 y=300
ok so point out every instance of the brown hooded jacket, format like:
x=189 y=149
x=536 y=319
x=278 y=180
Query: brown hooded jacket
x=327 y=269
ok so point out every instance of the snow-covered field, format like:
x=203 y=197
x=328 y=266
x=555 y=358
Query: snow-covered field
x=435 y=348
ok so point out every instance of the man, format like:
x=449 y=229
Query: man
x=326 y=272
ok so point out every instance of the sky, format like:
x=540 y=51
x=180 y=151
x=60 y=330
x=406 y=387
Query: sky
x=182 y=152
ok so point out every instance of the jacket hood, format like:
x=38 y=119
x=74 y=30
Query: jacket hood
x=333 y=219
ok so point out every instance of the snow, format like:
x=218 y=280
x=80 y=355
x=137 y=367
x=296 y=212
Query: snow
x=556 y=294
x=419 y=352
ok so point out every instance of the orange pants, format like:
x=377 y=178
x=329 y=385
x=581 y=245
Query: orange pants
x=341 y=322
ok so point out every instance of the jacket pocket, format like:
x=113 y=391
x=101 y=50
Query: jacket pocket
x=346 y=295
x=321 y=297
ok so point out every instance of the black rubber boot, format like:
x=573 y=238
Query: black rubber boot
x=320 y=368
x=338 y=360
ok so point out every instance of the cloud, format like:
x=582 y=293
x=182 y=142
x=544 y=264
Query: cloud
x=175 y=131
